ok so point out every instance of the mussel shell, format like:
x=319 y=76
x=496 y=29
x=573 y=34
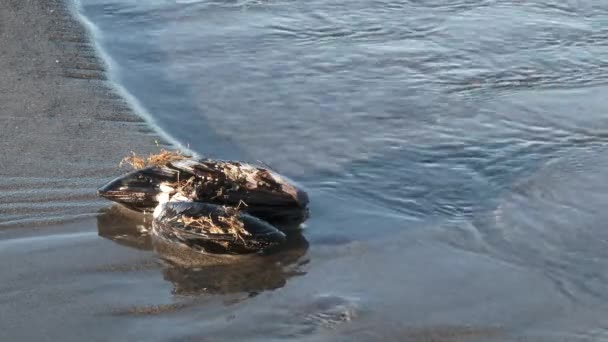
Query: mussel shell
x=138 y=190
x=260 y=186
x=266 y=194
x=258 y=236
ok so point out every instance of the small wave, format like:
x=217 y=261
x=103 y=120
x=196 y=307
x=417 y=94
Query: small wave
x=96 y=36
x=552 y=221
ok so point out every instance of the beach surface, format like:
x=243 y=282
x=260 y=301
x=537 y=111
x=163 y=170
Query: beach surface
x=64 y=129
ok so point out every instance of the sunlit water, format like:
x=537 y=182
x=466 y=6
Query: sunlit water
x=452 y=150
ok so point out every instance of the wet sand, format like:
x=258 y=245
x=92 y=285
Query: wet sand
x=63 y=128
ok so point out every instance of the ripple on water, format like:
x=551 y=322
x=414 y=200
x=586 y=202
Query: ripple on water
x=553 y=221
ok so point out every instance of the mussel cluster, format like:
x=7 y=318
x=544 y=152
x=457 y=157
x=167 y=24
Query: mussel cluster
x=213 y=206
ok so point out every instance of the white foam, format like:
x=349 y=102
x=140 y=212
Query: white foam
x=95 y=36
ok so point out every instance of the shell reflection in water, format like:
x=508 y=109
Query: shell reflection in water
x=193 y=273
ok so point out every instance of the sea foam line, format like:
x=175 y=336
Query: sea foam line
x=95 y=37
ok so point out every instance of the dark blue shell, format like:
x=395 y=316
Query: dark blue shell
x=255 y=234
x=265 y=194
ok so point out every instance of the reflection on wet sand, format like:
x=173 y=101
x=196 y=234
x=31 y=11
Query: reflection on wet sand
x=193 y=273
x=125 y=227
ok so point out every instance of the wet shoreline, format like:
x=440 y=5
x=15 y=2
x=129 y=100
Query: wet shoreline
x=64 y=126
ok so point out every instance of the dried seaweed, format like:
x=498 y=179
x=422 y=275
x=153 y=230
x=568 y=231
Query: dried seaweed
x=233 y=172
x=184 y=187
x=161 y=158
x=164 y=157
x=134 y=160
x=229 y=224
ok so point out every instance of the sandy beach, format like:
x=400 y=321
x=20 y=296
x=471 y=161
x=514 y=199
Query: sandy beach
x=63 y=128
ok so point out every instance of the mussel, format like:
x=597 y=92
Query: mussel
x=265 y=193
x=214 y=229
x=215 y=206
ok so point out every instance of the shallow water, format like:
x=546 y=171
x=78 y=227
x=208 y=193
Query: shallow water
x=453 y=151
